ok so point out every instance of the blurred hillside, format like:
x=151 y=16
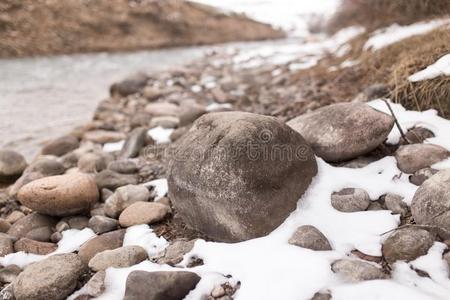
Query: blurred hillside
x=42 y=27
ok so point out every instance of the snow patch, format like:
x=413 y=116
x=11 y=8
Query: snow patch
x=439 y=68
x=160 y=187
x=160 y=135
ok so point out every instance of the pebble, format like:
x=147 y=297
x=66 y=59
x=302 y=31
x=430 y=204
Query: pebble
x=101 y=224
x=107 y=241
x=4 y=225
x=96 y=285
x=131 y=85
x=395 y=204
x=350 y=200
x=103 y=136
x=12 y=165
x=6 y=245
x=76 y=222
x=124 y=166
x=421 y=175
x=124 y=197
x=14 y=216
x=310 y=237
x=61 y=146
x=162 y=109
x=407 y=244
x=34 y=226
x=356 y=270
x=92 y=162
x=411 y=158
x=417 y=135
x=118 y=258
x=113 y=180
x=31 y=246
x=143 y=213
x=321 y=296
x=134 y=143
x=174 y=253
x=60 y=195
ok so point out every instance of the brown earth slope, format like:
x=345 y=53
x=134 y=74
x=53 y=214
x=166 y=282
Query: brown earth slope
x=42 y=27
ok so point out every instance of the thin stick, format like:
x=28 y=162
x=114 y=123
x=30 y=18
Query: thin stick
x=396 y=122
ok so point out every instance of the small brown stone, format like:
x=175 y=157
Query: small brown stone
x=143 y=213
x=30 y=246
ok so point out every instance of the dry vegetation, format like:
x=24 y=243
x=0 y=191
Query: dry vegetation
x=37 y=27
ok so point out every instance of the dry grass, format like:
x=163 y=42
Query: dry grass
x=379 y=13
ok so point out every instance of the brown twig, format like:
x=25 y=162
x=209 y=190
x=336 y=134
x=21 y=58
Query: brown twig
x=396 y=122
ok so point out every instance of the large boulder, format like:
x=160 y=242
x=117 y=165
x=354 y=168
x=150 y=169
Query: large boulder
x=343 y=131
x=237 y=176
x=12 y=164
x=53 y=278
x=431 y=202
x=60 y=195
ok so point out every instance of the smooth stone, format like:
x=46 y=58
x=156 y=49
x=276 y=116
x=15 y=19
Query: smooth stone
x=31 y=246
x=4 y=225
x=112 y=180
x=162 y=109
x=343 y=131
x=411 y=158
x=310 y=237
x=53 y=278
x=122 y=257
x=174 y=253
x=124 y=166
x=61 y=146
x=12 y=165
x=356 y=270
x=407 y=244
x=160 y=285
x=103 y=136
x=124 y=197
x=190 y=113
x=101 y=224
x=165 y=122
x=60 y=195
x=421 y=175
x=93 y=162
x=107 y=241
x=96 y=285
x=33 y=226
x=221 y=184
x=9 y=273
x=395 y=204
x=431 y=202
x=47 y=166
x=321 y=296
x=76 y=222
x=143 y=213
x=350 y=200
x=131 y=85
x=14 y=216
x=418 y=135
x=151 y=93
x=134 y=143
x=56 y=237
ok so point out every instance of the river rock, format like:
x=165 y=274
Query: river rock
x=130 y=85
x=93 y=162
x=60 y=195
x=343 y=131
x=103 y=136
x=143 y=213
x=162 y=109
x=123 y=166
x=30 y=246
x=52 y=278
x=160 y=285
x=101 y=224
x=221 y=183
x=61 y=146
x=350 y=200
x=310 y=237
x=4 y=225
x=124 y=197
x=407 y=244
x=421 y=175
x=431 y=202
x=411 y=158
x=356 y=270
x=96 y=285
x=113 y=180
x=107 y=241
x=134 y=143
x=76 y=222
x=9 y=273
x=12 y=165
x=118 y=258
x=395 y=204
x=6 y=245
x=417 y=135
x=174 y=253
x=33 y=226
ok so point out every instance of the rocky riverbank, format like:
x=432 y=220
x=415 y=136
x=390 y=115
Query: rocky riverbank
x=31 y=28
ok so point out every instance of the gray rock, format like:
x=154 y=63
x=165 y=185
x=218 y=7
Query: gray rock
x=421 y=175
x=417 y=135
x=162 y=109
x=395 y=204
x=118 y=258
x=174 y=253
x=47 y=166
x=356 y=270
x=237 y=176
x=411 y=158
x=52 y=278
x=107 y=241
x=112 y=180
x=34 y=226
x=9 y=273
x=343 y=131
x=190 y=113
x=350 y=200
x=124 y=197
x=431 y=202
x=12 y=165
x=375 y=205
x=101 y=224
x=96 y=285
x=159 y=285
x=134 y=143
x=407 y=244
x=76 y=222
x=124 y=166
x=92 y=162
x=61 y=146
x=6 y=245
x=130 y=85
x=103 y=136
x=310 y=237
x=321 y=296
x=60 y=195
x=31 y=246
x=4 y=225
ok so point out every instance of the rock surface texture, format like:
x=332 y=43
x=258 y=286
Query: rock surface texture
x=237 y=176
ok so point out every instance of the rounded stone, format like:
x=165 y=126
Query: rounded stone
x=356 y=270
x=124 y=197
x=12 y=165
x=102 y=224
x=411 y=158
x=143 y=213
x=310 y=237
x=350 y=200
x=118 y=258
x=61 y=146
x=33 y=226
x=107 y=241
x=61 y=195
x=236 y=176
x=343 y=131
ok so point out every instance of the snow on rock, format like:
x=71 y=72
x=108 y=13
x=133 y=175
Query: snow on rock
x=395 y=33
x=112 y=147
x=439 y=68
x=217 y=106
x=160 y=186
x=160 y=135
x=142 y=235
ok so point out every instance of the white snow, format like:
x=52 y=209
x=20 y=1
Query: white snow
x=217 y=106
x=440 y=68
x=142 y=235
x=160 y=187
x=112 y=147
x=160 y=135
x=394 y=33
x=71 y=241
